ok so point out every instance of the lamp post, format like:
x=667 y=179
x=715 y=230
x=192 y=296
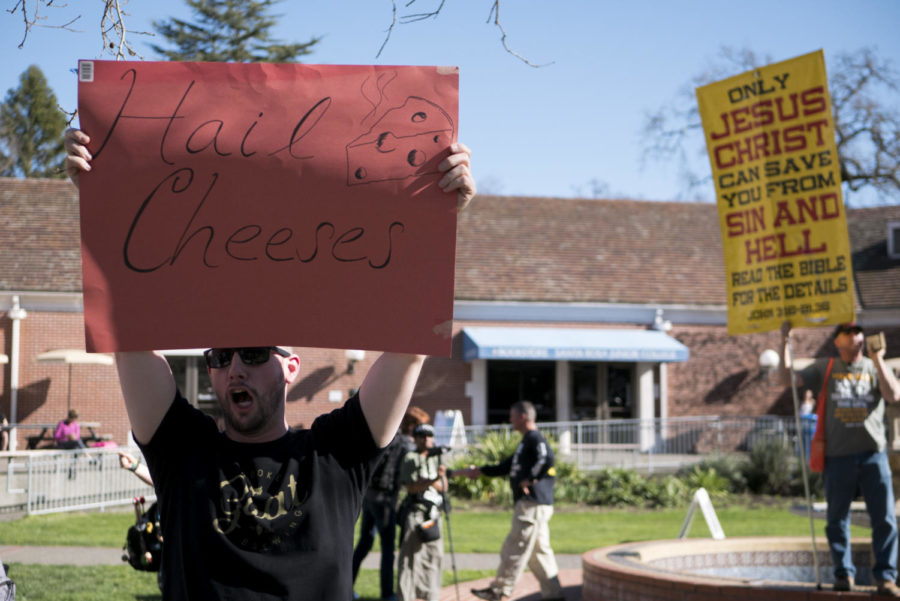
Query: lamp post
x=353 y=356
x=769 y=360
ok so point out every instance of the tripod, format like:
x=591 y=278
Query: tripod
x=446 y=503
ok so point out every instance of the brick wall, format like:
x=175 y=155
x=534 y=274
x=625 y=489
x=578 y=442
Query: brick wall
x=723 y=375
x=44 y=387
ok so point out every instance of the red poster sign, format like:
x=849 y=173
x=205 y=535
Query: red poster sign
x=259 y=204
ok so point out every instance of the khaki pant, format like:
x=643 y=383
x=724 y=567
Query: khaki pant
x=528 y=543
x=419 y=570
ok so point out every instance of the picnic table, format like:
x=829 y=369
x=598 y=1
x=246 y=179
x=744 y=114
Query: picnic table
x=46 y=433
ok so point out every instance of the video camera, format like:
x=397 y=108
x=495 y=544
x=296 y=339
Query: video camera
x=441 y=450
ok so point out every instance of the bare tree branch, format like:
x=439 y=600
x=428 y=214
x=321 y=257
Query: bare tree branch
x=422 y=16
x=493 y=15
x=31 y=18
x=113 y=28
x=495 y=12
x=390 y=29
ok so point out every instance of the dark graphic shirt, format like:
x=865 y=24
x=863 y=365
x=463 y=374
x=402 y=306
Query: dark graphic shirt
x=854 y=410
x=532 y=461
x=260 y=521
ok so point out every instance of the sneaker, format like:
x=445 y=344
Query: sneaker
x=888 y=588
x=489 y=594
x=843 y=583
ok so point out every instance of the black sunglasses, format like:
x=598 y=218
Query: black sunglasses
x=217 y=358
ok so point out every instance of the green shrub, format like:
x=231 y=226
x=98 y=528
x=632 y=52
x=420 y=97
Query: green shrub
x=490 y=449
x=670 y=491
x=771 y=469
x=618 y=487
x=730 y=467
x=573 y=485
x=708 y=478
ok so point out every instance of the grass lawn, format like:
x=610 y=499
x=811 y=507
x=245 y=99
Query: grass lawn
x=475 y=530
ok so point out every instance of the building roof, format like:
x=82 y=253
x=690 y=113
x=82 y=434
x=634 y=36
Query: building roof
x=40 y=234
x=508 y=249
x=588 y=250
x=877 y=275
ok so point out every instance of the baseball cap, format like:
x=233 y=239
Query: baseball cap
x=846 y=327
x=423 y=430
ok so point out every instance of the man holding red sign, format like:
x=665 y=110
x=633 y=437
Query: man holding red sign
x=261 y=511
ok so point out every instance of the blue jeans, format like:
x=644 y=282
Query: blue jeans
x=870 y=473
x=379 y=515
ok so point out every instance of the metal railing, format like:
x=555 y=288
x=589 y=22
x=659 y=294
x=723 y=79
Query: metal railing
x=654 y=444
x=55 y=481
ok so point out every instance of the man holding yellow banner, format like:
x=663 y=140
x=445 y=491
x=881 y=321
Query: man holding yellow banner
x=852 y=391
x=770 y=136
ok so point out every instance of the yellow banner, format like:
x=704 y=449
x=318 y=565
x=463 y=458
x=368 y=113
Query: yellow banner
x=770 y=137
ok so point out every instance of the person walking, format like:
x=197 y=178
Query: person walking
x=531 y=474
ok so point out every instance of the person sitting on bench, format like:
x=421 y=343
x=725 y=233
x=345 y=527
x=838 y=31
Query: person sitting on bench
x=68 y=432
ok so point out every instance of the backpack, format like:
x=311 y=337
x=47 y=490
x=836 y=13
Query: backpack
x=143 y=542
x=7 y=586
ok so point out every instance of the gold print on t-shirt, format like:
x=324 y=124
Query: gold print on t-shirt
x=852 y=397
x=241 y=500
x=851 y=415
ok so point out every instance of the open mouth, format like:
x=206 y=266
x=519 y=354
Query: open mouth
x=241 y=397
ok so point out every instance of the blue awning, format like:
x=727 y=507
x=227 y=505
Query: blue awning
x=571 y=344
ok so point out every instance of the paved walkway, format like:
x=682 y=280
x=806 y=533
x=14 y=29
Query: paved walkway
x=526 y=590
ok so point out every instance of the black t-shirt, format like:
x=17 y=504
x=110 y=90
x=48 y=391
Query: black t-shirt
x=533 y=460
x=260 y=521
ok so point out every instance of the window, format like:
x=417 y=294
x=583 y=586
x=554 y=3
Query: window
x=585 y=388
x=893 y=239
x=619 y=391
x=513 y=381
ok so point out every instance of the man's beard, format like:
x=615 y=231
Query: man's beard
x=265 y=406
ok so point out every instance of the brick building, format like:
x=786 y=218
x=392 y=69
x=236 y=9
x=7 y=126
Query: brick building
x=588 y=308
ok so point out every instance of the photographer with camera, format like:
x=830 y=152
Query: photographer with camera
x=379 y=509
x=421 y=546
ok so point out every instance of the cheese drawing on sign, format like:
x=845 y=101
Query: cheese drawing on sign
x=401 y=144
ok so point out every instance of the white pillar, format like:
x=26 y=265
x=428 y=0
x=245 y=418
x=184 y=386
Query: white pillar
x=644 y=404
x=191 y=381
x=476 y=389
